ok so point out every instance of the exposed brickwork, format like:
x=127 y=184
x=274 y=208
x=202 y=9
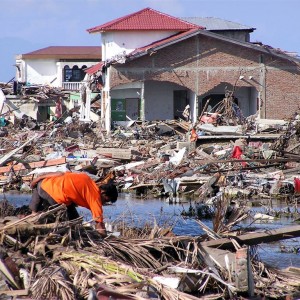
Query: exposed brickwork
x=283 y=93
x=202 y=63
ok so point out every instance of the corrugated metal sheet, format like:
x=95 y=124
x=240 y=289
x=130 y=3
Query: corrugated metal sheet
x=211 y=23
x=95 y=68
x=145 y=19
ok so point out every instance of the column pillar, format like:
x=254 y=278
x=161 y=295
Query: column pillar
x=59 y=74
x=142 y=110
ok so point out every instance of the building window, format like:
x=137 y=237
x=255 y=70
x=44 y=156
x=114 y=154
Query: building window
x=67 y=73
x=76 y=74
x=73 y=75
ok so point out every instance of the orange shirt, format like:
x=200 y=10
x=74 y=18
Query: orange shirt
x=76 y=188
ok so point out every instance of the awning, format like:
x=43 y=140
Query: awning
x=95 y=68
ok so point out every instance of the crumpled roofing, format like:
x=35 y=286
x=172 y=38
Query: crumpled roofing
x=95 y=68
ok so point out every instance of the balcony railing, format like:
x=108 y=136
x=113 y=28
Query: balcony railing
x=71 y=86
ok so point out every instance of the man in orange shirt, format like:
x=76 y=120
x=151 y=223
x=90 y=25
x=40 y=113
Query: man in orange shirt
x=72 y=189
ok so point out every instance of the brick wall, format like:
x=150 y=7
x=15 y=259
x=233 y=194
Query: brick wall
x=201 y=63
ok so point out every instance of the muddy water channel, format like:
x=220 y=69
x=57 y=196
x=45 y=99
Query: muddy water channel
x=139 y=212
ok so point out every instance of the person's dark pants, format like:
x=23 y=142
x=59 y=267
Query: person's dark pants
x=41 y=200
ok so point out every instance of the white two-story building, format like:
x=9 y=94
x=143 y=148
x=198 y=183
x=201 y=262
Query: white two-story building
x=57 y=66
x=62 y=67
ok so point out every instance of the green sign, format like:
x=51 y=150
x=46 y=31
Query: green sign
x=118 y=109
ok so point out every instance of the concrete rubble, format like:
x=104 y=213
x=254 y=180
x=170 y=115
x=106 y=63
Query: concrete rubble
x=219 y=165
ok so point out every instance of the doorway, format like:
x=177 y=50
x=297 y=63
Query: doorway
x=180 y=101
x=132 y=108
x=125 y=109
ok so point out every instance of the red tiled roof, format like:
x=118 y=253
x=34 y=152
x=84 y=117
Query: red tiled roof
x=145 y=19
x=95 y=68
x=65 y=52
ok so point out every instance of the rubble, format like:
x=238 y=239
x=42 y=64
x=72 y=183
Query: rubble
x=173 y=160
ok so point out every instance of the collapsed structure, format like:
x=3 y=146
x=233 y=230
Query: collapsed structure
x=182 y=112
x=46 y=255
x=151 y=66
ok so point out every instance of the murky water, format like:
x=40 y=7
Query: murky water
x=138 y=211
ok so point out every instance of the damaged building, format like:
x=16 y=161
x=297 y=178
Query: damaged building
x=51 y=77
x=154 y=65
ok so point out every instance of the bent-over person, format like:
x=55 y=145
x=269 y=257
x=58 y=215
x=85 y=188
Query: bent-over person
x=72 y=189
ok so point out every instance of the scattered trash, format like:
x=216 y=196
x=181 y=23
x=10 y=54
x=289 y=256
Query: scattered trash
x=218 y=165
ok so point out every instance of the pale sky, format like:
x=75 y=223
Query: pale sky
x=29 y=25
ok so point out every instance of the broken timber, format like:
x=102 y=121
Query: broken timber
x=233 y=137
x=257 y=160
x=256 y=237
x=15 y=293
x=116 y=153
x=33 y=165
x=10 y=154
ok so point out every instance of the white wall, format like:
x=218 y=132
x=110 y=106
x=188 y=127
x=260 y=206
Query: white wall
x=40 y=71
x=243 y=95
x=45 y=71
x=247 y=100
x=114 y=43
x=193 y=105
x=159 y=104
x=20 y=108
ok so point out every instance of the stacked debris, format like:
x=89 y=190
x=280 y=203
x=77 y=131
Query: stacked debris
x=31 y=91
x=149 y=157
x=48 y=257
x=169 y=160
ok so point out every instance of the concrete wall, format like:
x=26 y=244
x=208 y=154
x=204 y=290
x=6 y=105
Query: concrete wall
x=46 y=71
x=125 y=93
x=247 y=100
x=40 y=71
x=159 y=100
x=159 y=104
x=41 y=112
x=19 y=107
x=114 y=43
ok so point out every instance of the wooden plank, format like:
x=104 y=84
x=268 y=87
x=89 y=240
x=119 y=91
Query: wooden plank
x=14 y=293
x=115 y=153
x=13 y=152
x=256 y=237
x=190 y=146
x=258 y=160
x=145 y=185
x=228 y=137
x=292 y=147
x=173 y=125
x=241 y=269
x=219 y=256
x=203 y=154
x=33 y=165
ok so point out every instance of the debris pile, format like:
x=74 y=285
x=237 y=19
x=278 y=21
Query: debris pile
x=47 y=257
x=219 y=165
